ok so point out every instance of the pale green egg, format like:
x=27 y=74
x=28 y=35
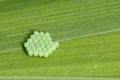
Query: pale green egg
x=40 y=53
x=36 y=33
x=26 y=44
x=56 y=44
x=28 y=49
x=33 y=36
x=36 y=53
x=41 y=33
x=46 y=54
x=30 y=53
x=47 y=34
x=29 y=40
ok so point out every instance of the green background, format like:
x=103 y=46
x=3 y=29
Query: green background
x=88 y=32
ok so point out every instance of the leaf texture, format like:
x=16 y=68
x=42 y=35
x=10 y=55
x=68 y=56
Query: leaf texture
x=88 y=31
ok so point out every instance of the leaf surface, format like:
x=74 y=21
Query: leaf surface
x=88 y=31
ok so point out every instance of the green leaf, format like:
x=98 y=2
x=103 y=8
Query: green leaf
x=88 y=31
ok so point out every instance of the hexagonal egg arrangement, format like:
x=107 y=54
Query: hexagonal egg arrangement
x=40 y=44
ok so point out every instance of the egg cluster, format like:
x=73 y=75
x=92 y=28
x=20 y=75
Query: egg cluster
x=40 y=44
